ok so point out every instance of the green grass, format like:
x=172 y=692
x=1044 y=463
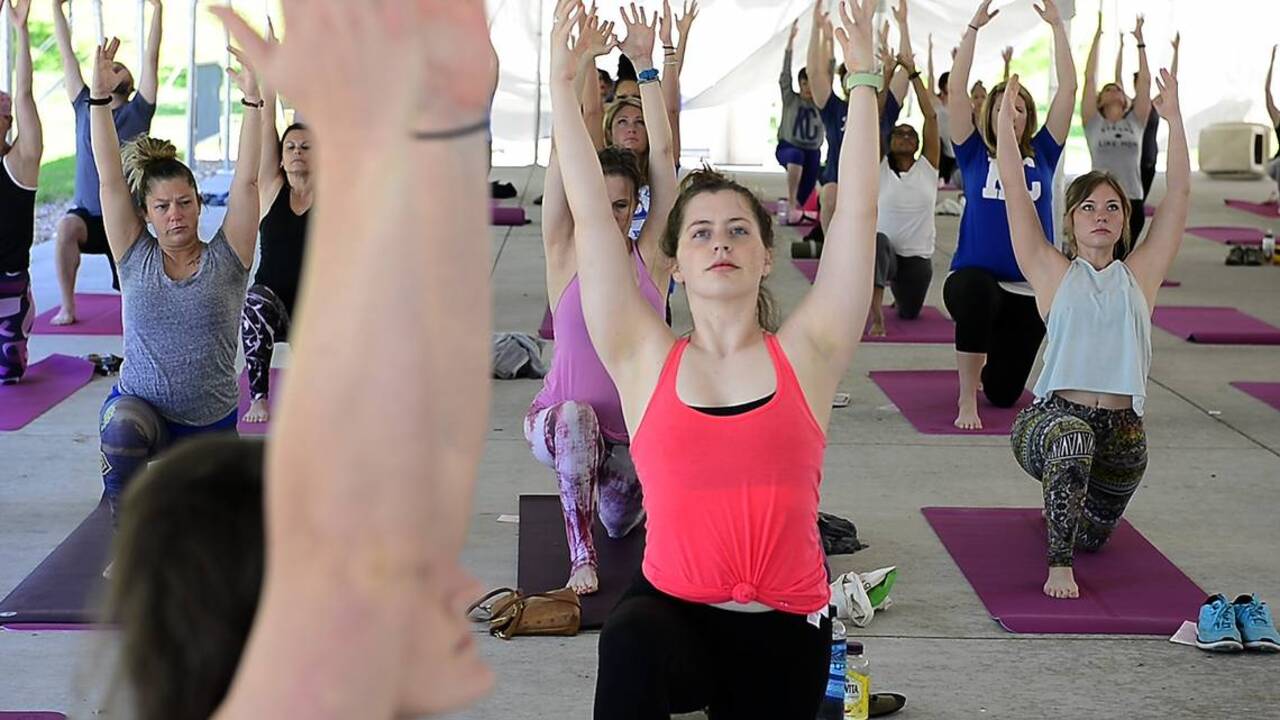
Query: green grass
x=57 y=180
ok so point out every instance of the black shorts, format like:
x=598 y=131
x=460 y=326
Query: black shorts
x=96 y=241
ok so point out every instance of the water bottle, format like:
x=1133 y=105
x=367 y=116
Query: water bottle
x=783 y=208
x=1269 y=245
x=857 y=686
x=832 y=707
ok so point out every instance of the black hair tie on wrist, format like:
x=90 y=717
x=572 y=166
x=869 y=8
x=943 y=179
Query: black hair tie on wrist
x=450 y=134
x=100 y=101
x=258 y=105
x=973 y=27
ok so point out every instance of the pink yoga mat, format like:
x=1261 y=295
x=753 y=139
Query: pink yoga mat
x=1215 y=326
x=1264 y=209
x=508 y=215
x=930 y=327
x=1170 y=283
x=1228 y=235
x=46 y=384
x=810 y=210
x=96 y=314
x=10 y=715
x=808 y=267
x=1267 y=392
x=257 y=428
x=1127 y=587
x=927 y=398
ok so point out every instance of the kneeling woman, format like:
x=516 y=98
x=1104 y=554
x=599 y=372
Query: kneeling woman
x=181 y=297
x=727 y=424
x=1083 y=438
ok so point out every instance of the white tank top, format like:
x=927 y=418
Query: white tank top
x=1099 y=334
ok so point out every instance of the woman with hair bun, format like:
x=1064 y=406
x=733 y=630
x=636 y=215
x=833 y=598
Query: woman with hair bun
x=181 y=297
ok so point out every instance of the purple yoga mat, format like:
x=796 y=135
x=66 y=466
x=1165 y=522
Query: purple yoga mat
x=1269 y=210
x=257 y=428
x=927 y=399
x=542 y=557
x=1127 y=587
x=1215 y=326
x=1148 y=211
x=1267 y=392
x=508 y=215
x=547 y=331
x=930 y=327
x=11 y=715
x=46 y=384
x=1228 y=235
x=807 y=267
x=97 y=314
x=66 y=587
x=1170 y=283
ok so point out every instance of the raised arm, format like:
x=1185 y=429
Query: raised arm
x=368 y=493
x=842 y=288
x=1062 y=107
x=933 y=87
x=1041 y=263
x=149 y=83
x=819 y=62
x=902 y=80
x=1150 y=262
x=1120 y=62
x=618 y=318
x=673 y=65
x=1089 y=93
x=638 y=46
x=24 y=159
x=270 y=174
x=72 y=80
x=932 y=149
x=595 y=38
x=1007 y=56
x=120 y=216
x=243 y=208
x=1142 y=88
x=959 y=109
x=785 y=80
x=1272 y=110
x=1177 y=44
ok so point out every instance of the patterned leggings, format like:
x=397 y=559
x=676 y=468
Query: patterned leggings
x=264 y=321
x=17 y=314
x=1090 y=462
x=566 y=438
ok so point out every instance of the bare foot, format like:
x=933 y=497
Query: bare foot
x=584 y=580
x=257 y=412
x=1061 y=584
x=65 y=316
x=968 y=418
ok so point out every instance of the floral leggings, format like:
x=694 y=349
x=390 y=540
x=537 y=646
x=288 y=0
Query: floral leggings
x=263 y=322
x=1090 y=462
x=17 y=314
x=590 y=471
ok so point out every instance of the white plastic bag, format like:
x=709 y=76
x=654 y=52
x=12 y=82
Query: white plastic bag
x=851 y=593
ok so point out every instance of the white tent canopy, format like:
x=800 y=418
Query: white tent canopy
x=729 y=84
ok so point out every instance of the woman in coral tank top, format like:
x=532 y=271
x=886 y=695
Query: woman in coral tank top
x=728 y=424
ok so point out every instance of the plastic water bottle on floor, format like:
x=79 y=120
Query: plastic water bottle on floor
x=783 y=208
x=1269 y=245
x=832 y=707
x=857 y=687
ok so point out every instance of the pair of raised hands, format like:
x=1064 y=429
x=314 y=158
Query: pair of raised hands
x=595 y=37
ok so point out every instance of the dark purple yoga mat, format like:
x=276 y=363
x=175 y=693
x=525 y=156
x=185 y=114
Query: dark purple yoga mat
x=927 y=399
x=1228 y=235
x=1267 y=392
x=64 y=590
x=97 y=314
x=1215 y=326
x=543 y=557
x=46 y=384
x=8 y=715
x=1127 y=587
x=245 y=428
x=1269 y=210
x=508 y=215
x=807 y=267
x=930 y=327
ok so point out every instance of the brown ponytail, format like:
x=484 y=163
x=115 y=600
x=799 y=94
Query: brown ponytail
x=147 y=159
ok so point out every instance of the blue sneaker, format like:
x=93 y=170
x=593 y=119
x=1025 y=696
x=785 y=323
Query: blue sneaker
x=1256 y=627
x=1217 y=629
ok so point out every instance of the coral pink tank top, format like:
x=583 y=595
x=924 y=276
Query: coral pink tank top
x=732 y=501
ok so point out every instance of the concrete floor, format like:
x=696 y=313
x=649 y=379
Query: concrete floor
x=1209 y=502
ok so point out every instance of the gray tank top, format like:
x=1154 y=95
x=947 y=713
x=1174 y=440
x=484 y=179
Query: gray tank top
x=180 y=336
x=1099 y=334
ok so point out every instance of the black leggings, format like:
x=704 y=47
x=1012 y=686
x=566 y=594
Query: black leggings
x=660 y=655
x=1004 y=325
x=1137 y=221
x=263 y=323
x=907 y=277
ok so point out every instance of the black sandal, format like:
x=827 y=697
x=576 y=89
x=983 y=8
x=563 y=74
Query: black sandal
x=885 y=703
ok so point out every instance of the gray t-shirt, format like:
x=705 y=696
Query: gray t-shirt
x=132 y=119
x=1117 y=148
x=180 y=336
x=801 y=123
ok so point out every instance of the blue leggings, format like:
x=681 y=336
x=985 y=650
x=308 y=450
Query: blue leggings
x=132 y=432
x=809 y=160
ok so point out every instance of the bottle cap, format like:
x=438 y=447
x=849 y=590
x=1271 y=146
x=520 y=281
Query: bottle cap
x=853 y=647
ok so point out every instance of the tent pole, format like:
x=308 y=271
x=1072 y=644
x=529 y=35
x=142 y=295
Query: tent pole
x=191 y=90
x=226 y=114
x=537 y=104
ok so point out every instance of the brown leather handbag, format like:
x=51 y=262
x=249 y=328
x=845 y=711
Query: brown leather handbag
x=511 y=612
